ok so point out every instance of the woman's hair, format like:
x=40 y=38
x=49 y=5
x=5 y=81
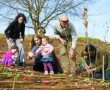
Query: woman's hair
x=20 y=15
x=32 y=43
x=15 y=47
x=90 y=48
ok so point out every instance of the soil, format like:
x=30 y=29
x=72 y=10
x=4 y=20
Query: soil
x=25 y=78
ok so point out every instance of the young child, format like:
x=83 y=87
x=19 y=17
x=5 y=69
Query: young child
x=82 y=64
x=83 y=59
x=9 y=56
x=46 y=51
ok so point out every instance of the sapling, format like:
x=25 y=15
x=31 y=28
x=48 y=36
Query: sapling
x=104 y=56
x=13 y=88
x=85 y=22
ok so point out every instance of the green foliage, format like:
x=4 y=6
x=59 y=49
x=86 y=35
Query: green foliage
x=30 y=75
x=104 y=84
x=87 y=79
x=18 y=76
x=89 y=39
x=1 y=69
x=9 y=74
x=60 y=75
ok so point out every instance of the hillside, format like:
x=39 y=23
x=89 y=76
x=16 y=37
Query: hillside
x=24 y=78
x=80 y=44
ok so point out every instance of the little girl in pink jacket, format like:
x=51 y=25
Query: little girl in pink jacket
x=46 y=50
x=9 y=56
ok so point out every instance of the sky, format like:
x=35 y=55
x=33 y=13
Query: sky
x=100 y=22
x=98 y=18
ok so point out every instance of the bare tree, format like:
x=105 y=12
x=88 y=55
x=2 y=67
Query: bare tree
x=41 y=12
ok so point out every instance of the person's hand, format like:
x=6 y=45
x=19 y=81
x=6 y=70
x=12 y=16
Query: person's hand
x=15 y=57
x=30 y=55
x=45 y=50
x=49 y=52
x=21 y=40
x=62 y=41
x=88 y=70
x=10 y=39
x=71 y=53
x=94 y=69
x=91 y=70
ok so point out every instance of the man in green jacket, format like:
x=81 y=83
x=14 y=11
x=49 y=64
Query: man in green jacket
x=65 y=32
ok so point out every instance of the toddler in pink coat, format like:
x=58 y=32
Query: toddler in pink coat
x=9 y=56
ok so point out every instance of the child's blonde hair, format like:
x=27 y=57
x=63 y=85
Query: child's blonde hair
x=46 y=37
